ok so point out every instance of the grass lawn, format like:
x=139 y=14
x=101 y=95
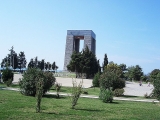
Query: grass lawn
x=15 y=106
x=90 y=91
x=13 y=85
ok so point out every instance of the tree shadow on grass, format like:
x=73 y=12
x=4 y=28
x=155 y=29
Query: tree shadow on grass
x=54 y=96
x=50 y=113
x=61 y=90
x=113 y=102
x=129 y=96
x=90 y=110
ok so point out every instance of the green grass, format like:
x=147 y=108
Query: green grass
x=91 y=91
x=13 y=85
x=15 y=106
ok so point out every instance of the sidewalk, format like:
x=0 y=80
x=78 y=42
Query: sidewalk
x=92 y=96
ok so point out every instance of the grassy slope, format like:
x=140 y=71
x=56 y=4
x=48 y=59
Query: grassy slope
x=13 y=105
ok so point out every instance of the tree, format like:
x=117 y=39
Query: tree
x=110 y=80
x=10 y=60
x=54 y=66
x=154 y=74
x=31 y=64
x=30 y=78
x=21 y=60
x=96 y=80
x=42 y=64
x=134 y=72
x=7 y=76
x=83 y=62
x=112 y=77
x=105 y=62
x=156 y=84
x=144 y=78
x=123 y=67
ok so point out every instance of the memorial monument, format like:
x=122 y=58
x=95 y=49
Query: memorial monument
x=73 y=43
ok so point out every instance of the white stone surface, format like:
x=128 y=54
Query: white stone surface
x=131 y=88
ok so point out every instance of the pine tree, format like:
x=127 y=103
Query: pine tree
x=105 y=62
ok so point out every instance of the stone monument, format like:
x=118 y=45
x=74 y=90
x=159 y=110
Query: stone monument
x=73 y=43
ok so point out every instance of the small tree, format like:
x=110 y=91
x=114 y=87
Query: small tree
x=154 y=74
x=58 y=87
x=106 y=95
x=28 y=82
x=39 y=92
x=75 y=93
x=110 y=80
x=96 y=78
x=105 y=62
x=156 y=84
x=7 y=76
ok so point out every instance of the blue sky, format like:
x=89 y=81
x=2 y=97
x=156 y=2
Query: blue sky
x=127 y=30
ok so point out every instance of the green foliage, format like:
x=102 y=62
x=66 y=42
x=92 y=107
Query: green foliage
x=156 y=84
x=58 y=87
x=144 y=78
x=154 y=74
x=76 y=92
x=39 y=92
x=28 y=82
x=7 y=76
x=14 y=106
x=118 y=92
x=134 y=73
x=110 y=79
x=105 y=62
x=96 y=78
x=84 y=62
x=106 y=95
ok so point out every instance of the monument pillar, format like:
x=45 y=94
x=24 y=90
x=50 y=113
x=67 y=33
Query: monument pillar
x=73 y=43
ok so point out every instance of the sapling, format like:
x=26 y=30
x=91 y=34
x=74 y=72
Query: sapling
x=39 y=93
x=58 y=87
x=76 y=92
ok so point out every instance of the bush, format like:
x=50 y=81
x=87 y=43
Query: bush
x=76 y=92
x=96 y=78
x=7 y=76
x=156 y=84
x=106 y=95
x=110 y=79
x=146 y=95
x=39 y=93
x=28 y=82
x=58 y=87
x=118 y=92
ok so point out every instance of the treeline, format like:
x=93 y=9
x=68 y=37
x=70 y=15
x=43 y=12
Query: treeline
x=35 y=63
x=85 y=63
x=18 y=61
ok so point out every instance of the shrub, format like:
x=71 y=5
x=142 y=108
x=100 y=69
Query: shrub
x=156 y=84
x=84 y=92
x=146 y=95
x=110 y=79
x=118 y=92
x=106 y=95
x=39 y=92
x=7 y=76
x=76 y=92
x=96 y=78
x=58 y=87
x=28 y=82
